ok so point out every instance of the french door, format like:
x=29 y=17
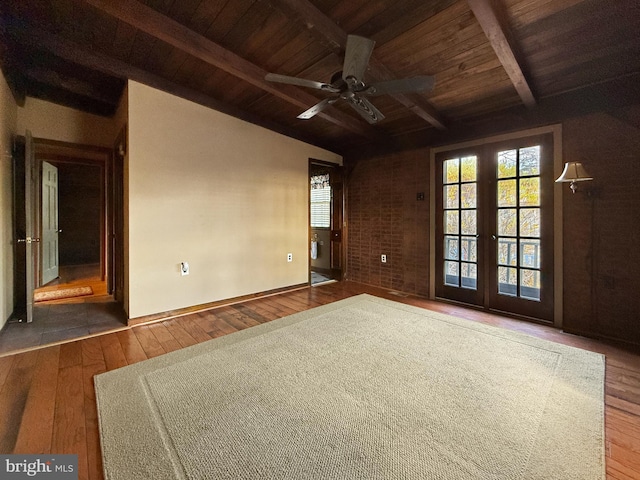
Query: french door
x=494 y=226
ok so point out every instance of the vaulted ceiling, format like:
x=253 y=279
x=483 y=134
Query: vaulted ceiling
x=494 y=61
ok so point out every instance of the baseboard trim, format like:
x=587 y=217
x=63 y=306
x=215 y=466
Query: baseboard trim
x=162 y=316
x=618 y=342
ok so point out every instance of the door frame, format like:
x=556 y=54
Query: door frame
x=57 y=152
x=336 y=274
x=556 y=132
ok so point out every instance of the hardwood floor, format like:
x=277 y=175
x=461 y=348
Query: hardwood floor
x=47 y=400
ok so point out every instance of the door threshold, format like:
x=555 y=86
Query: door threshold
x=324 y=282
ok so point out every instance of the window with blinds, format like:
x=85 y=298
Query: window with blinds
x=320 y=201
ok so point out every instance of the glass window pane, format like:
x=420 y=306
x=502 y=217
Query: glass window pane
x=530 y=253
x=468 y=169
x=530 y=284
x=507 y=251
x=452 y=196
x=507 y=163
x=469 y=277
x=468 y=222
x=451 y=218
x=451 y=170
x=451 y=248
x=530 y=222
x=508 y=281
x=468 y=194
x=469 y=249
x=320 y=199
x=530 y=192
x=452 y=274
x=507 y=196
x=530 y=161
x=507 y=222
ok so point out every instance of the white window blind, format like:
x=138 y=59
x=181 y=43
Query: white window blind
x=320 y=201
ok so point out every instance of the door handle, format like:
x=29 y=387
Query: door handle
x=59 y=231
x=28 y=240
x=494 y=237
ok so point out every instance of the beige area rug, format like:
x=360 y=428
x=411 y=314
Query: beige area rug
x=62 y=293
x=363 y=388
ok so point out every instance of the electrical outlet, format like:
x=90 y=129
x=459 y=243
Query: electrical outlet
x=289 y=257
x=383 y=258
x=184 y=268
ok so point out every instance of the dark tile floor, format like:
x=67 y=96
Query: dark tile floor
x=55 y=323
x=318 y=278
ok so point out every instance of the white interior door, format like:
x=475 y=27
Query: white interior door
x=50 y=229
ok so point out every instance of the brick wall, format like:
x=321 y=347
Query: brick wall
x=385 y=217
x=601 y=288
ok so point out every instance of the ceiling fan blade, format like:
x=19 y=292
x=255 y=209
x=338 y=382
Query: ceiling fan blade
x=356 y=57
x=365 y=108
x=422 y=83
x=317 y=108
x=300 y=82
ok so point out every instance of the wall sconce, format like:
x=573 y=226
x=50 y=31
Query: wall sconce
x=573 y=172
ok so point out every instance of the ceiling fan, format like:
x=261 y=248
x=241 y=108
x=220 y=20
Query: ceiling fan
x=349 y=84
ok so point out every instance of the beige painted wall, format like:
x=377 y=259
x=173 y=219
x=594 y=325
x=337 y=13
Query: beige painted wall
x=8 y=119
x=55 y=122
x=229 y=197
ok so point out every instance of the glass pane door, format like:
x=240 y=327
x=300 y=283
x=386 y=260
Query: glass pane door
x=505 y=190
x=458 y=246
x=522 y=221
x=518 y=218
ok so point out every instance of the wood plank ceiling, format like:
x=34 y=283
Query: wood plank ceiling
x=487 y=56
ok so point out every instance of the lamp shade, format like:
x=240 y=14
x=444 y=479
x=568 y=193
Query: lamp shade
x=573 y=172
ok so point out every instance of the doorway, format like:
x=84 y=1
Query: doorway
x=71 y=242
x=494 y=234
x=326 y=214
x=70 y=250
x=72 y=225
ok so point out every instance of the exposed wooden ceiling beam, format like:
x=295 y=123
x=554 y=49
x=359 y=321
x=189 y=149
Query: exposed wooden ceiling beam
x=62 y=96
x=610 y=96
x=65 y=82
x=16 y=84
x=330 y=34
x=73 y=52
x=177 y=35
x=325 y=30
x=14 y=80
x=488 y=15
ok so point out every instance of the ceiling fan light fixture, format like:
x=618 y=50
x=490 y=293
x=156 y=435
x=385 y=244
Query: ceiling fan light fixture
x=350 y=86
